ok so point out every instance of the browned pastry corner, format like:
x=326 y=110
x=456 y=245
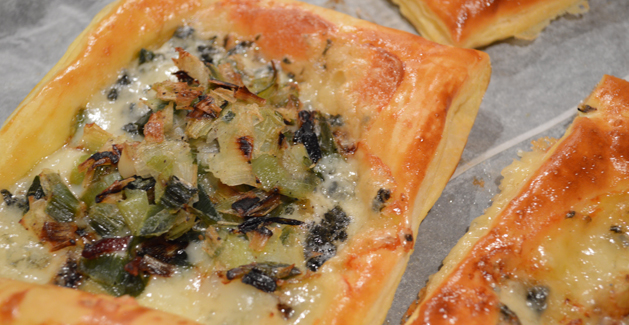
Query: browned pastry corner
x=551 y=248
x=476 y=23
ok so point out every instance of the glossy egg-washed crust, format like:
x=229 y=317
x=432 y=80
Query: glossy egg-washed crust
x=590 y=160
x=476 y=23
x=410 y=102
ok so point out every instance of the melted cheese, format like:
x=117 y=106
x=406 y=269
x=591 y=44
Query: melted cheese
x=196 y=292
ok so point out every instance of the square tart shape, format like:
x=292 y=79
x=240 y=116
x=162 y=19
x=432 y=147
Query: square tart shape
x=410 y=103
x=476 y=23
x=523 y=261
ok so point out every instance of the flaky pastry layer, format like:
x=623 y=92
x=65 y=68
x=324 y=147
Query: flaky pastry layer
x=476 y=23
x=549 y=249
x=410 y=102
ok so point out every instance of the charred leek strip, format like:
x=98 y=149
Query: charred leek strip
x=177 y=194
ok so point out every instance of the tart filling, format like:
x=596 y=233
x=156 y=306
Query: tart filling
x=199 y=178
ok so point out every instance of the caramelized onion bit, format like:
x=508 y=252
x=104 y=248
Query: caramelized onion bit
x=206 y=107
x=105 y=246
x=59 y=234
x=103 y=158
x=154 y=128
x=193 y=67
x=148 y=265
x=244 y=94
x=252 y=206
x=179 y=92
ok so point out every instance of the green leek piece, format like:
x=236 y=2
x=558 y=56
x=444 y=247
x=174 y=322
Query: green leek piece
x=98 y=186
x=108 y=271
x=206 y=207
x=171 y=157
x=266 y=133
x=199 y=128
x=177 y=193
x=269 y=170
x=158 y=222
x=134 y=209
x=62 y=205
x=266 y=86
x=35 y=190
x=183 y=222
x=76 y=177
x=78 y=121
x=328 y=145
x=94 y=138
x=231 y=165
x=107 y=220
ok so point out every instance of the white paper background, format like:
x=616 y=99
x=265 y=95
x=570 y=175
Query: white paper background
x=532 y=84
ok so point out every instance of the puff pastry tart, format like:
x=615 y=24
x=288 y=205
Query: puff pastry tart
x=231 y=162
x=476 y=23
x=552 y=249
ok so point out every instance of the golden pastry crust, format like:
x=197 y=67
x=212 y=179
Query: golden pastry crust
x=25 y=303
x=476 y=23
x=553 y=212
x=410 y=102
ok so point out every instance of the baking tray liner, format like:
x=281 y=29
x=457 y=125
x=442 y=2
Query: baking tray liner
x=534 y=91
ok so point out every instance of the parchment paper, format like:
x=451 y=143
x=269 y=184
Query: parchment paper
x=534 y=87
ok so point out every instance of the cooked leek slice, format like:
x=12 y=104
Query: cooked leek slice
x=108 y=271
x=171 y=157
x=134 y=209
x=231 y=165
x=107 y=220
x=158 y=222
x=98 y=186
x=266 y=133
x=62 y=206
x=177 y=193
x=182 y=223
x=94 y=137
x=273 y=175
